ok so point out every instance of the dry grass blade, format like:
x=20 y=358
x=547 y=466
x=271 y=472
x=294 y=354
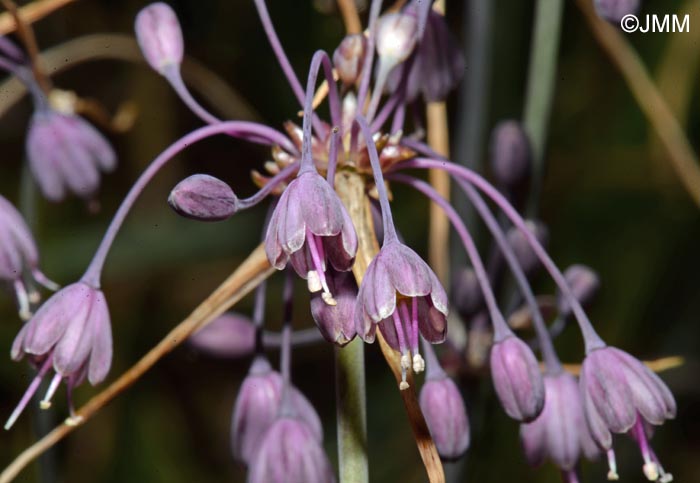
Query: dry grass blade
x=246 y=277
x=30 y=13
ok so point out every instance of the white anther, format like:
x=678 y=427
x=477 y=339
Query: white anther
x=403 y=385
x=651 y=471
x=613 y=476
x=313 y=281
x=73 y=420
x=666 y=478
x=44 y=404
x=418 y=363
x=405 y=361
x=34 y=297
x=328 y=298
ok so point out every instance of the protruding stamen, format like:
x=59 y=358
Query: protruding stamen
x=316 y=250
x=313 y=281
x=650 y=468
x=612 y=465
x=418 y=363
x=25 y=312
x=34 y=296
x=33 y=386
x=650 y=471
x=73 y=420
x=46 y=402
x=44 y=280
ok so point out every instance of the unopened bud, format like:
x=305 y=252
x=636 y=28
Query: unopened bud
x=584 y=284
x=203 y=197
x=614 y=10
x=517 y=379
x=528 y=260
x=229 y=335
x=446 y=416
x=396 y=37
x=511 y=155
x=160 y=37
x=349 y=56
x=466 y=292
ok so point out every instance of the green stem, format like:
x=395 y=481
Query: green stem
x=540 y=87
x=351 y=402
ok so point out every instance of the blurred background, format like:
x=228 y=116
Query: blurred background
x=610 y=199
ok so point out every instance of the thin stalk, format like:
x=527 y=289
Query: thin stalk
x=541 y=81
x=351 y=412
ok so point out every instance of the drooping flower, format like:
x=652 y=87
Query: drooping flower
x=309 y=227
x=67 y=154
x=527 y=258
x=290 y=453
x=18 y=252
x=620 y=394
x=466 y=293
x=70 y=332
x=348 y=58
x=229 y=335
x=159 y=36
x=510 y=156
x=584 y=284
x=204 y=198
x=258 y=406
x=336 y=322
x=517 y=379
x=559 y=432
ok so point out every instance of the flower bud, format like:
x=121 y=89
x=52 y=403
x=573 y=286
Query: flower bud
x=229 y=335
x=584 y=284
x=349 y=56
x=511 y=156
x=614 y=10
x=396 y=37
x=446 y=416
x=466 y=292
x=290 y=452
x=336 y=322
x=526 y=256
x=204 y=198
x=160 y=37
x=517 y=379
x=258 y=405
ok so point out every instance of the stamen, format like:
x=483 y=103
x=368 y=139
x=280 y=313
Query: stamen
x=46 y=402
x=25 y=312
x=411 y=325
x=34 y=296
x=405 y=358
x=612 y=465
x=33 y=386
x=313 y=281
x=650 y=468
x=316 y=250
x=44 y=280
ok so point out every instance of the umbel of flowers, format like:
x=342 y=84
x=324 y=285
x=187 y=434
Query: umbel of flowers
x=403 y=57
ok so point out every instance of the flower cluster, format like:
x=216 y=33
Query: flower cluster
x=318 y=231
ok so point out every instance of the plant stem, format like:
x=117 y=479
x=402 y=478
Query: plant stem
x=351 y=411
x=30 y=13
x=541 y=80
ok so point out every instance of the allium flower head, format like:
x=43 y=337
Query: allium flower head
x=446 y=416
x=559 y=432
x=402 y=294
x=71 y=331
x=309 y=227
x=336 y=322
x=160 y=37
x=258 y=406
x=290 y=453
x=517 y=379
x=66 y=154
x=18 y=252
x=619 y=394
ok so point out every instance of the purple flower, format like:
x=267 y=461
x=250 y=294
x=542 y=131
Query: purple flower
x=67 y=154
x=310 y=226
x=336 y=322
x=229 y=335
x=348 y=58
x=290 y=452
x=517 y=379
x=559 y=432
x=438 y=64
x=584 y=284
x=396 y=37
x=421 y=305
x=203 y=197
x=258 y=406
x=526 y=256
x=466 y=293
x=160 y=37
x=511 y=156
x=18 y=252
x=614 y=10
x=619 y=394
x=71 y=331
x=445 y=415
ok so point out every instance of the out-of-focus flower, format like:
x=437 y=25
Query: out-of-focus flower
x=310 y=226
x=204 y=198
x=18 y=252
x=620 y=394
x=396 y=37
x=229 y=335
x=511 y=156
x=70 y=332
x=584 y=284
x=258 y=406
x=466 y=293
x=526 y=256
x=336 y=322
x=66 y=154
x=160 y=37
x=517 y=379
x=614 y=10
x=560 y=432
x=348 y=58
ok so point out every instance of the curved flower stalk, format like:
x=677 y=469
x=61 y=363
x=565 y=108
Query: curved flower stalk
x=19 y=253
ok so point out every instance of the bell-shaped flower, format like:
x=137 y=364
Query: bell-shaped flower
x=229 y=335
x=18 y=252
x=349 y=56
x=336 y=322
x=70 y=332
x=67 y=154
x=309 y=227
